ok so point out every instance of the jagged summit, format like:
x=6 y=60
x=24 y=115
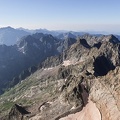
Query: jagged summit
x=93 y=39
x=113 y=39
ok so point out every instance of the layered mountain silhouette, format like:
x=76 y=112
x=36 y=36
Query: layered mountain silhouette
x=68 y=76
x=9 y=35
x=29 y=51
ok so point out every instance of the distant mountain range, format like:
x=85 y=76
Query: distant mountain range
x=9 y=36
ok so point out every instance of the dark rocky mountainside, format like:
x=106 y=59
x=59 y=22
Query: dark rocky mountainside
x=83 y=82
x=17 y=60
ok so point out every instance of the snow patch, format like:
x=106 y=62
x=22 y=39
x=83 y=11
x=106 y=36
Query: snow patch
x=22 y=49
x=71 y=62
x=67 y=62
x=48 y=68
x=89 y=112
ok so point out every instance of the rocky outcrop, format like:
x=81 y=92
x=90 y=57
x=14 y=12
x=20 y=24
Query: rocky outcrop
x=17 y=113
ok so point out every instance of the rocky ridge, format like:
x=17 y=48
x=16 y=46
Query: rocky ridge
x=83 y=72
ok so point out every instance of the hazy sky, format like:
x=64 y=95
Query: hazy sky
x=99 y=15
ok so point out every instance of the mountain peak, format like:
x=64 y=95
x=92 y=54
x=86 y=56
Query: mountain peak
x=8 y=27
x=111 y=38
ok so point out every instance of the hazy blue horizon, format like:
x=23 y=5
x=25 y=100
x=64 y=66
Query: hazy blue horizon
x=75 y=15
